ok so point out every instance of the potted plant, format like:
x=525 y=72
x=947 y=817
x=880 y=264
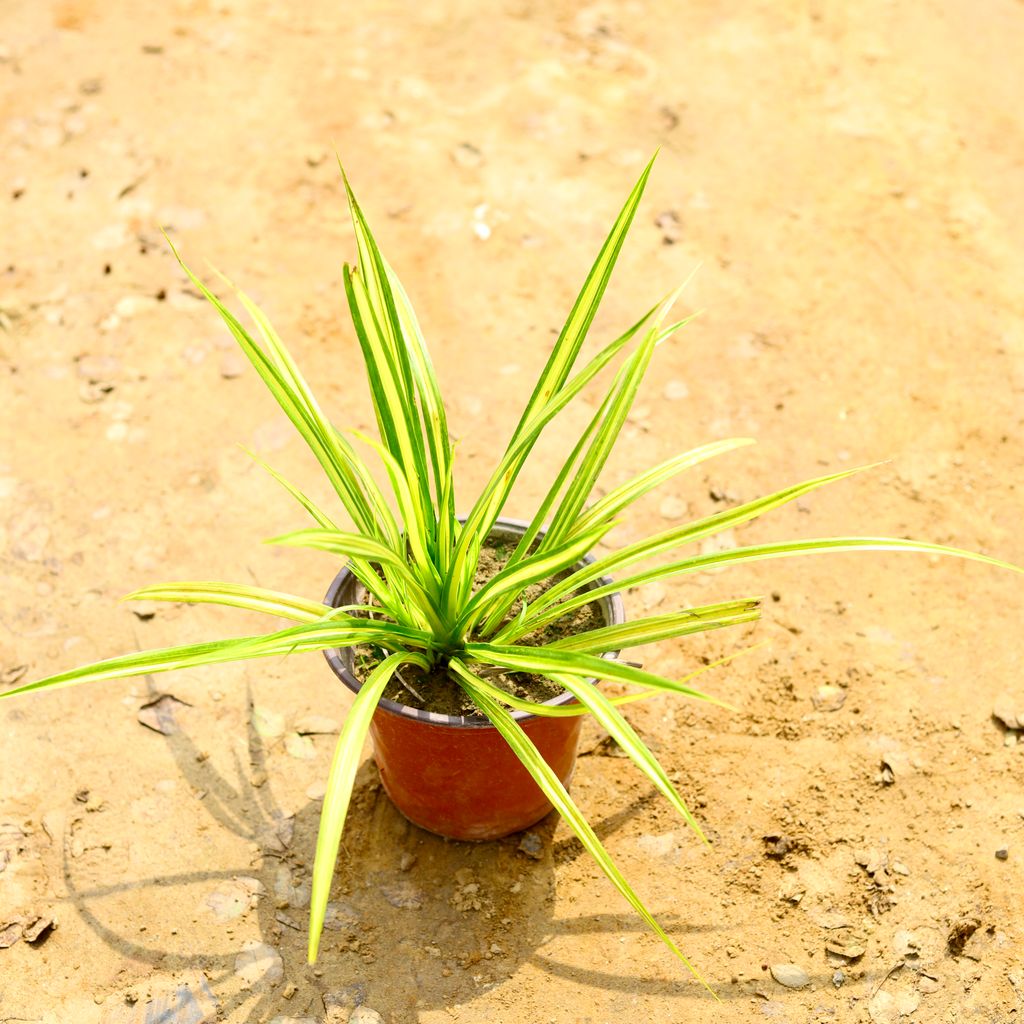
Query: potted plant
x=473 y=644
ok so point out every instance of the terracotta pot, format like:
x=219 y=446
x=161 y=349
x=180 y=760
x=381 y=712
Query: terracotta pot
x=457 y=776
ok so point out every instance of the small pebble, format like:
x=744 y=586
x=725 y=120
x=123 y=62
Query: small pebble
x=673 y=508
x=465 y=154
x=790 y=975
x=1008 y=711
x=365 y=1015
x=838 y=978
x=232 y=365
x=670 y=226
x=300 y=747
x=532 y=846
x=259 y=964
x=1002 y=853
x=310 y=725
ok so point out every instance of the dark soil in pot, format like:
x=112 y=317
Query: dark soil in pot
x=436 y=691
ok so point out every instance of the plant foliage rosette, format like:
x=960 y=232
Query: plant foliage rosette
x=417 y=560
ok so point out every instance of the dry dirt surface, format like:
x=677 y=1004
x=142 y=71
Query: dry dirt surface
x=849 y=177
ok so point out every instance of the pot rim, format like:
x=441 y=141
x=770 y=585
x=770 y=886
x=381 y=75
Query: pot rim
x=611 y=604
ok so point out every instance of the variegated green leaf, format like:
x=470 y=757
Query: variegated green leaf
x=347 y=756
x=523 y=747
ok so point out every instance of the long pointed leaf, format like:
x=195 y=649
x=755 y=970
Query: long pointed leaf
x=688 y=533
x=347 y=756
x=612 y=416
x=605 y=712
x=754 y=553
x=574 y=333
x=622 y=497
x=659 y=627
x=236 y=595
x=545 y=661
x=523 y=747
x=574 y=710
x=306 y=637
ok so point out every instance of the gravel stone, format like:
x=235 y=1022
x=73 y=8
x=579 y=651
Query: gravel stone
x=790 y=975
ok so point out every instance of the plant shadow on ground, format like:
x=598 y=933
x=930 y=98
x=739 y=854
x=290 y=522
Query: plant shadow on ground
x=416 y=922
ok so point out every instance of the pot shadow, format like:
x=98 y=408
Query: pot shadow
x=416 y=922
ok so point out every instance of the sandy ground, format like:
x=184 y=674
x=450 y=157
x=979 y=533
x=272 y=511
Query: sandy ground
x=850 y=178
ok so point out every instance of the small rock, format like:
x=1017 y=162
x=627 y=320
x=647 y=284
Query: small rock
x=673 y=509
x=407 y=861
x=287 y=893
x=830 y=919
x=268 y=724
x=340 y=917
x=847 y=946
x=300 y=747
x=259 y=964
x=658 y=846
x=194 y=355
x=340 y=1002
x=97 y=368
x=905 y=944
x=36 y=929
x=10 y=932
x=133 y=305
x=790 y=975
x=1008 y=710
x=838 y=978
x=1002 y=853
x=403 y=895
x=364 y=1015
x=532 y=845
x=232 y=365
x=724 y=540
x=928 y=984
x=777 y=846
x=829 y=698
x=233 y=898
x=144 y=610
x=9 y=676
x=311 y=725
x=277 y=834
x=882 y=1008
x=465 y=154
x=792 y=890
x=669 y=225
x=92 y=391
x=959 y=933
